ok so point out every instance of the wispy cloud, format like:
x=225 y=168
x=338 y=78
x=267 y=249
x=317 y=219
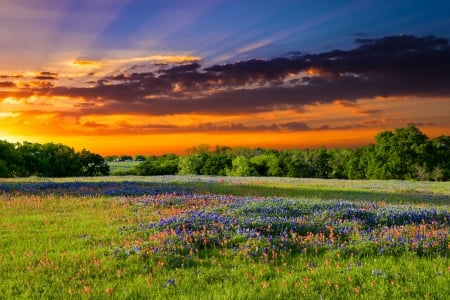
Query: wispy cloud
x=254 y=46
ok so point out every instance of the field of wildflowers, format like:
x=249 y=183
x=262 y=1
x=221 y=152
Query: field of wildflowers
x=174 y=237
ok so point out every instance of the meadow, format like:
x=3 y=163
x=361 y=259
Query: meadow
x=118 y=167
x=199 y=237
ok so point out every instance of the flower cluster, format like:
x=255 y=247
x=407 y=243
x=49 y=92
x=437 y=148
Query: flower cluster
x=268 y=228
x=105 y=188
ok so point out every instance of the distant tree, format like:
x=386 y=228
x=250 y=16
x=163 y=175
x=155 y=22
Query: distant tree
x=259 y=163
x=4 y=171
x=125 y=158
x=11 y=161
x=190 y=164
x=216 y=164
x=422 y=173
x=149 y=167
x=241 y=151
x=48 y=160
x=259 y=151
x=241 y=166
x=222 y=149
x=267 y=164
x=202 y=148
x=398 y=153
x=111 y=158
x=32 y=154
x=404 y=153
x=58 y=160
x=357 y=162
x=440 y=158
x=92 y=164
x=338 y=161
x=319 y=162
x=438 y=174
x=166 y=164
x=139 y=157
x=293 y=163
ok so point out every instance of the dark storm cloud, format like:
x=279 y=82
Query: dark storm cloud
x=140 y=77
x=192 y=67
x=252 y=71
x=397 y=56
x=389 y=66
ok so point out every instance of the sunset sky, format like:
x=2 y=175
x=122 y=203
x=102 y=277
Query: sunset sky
x=159 y=76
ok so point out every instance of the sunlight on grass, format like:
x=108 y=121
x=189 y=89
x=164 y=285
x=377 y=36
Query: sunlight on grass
x=178 y=237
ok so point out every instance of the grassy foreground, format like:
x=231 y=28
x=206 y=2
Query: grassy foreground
x=223 y=238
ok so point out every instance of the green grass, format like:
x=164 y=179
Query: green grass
x=61 y=247
x=121 y=167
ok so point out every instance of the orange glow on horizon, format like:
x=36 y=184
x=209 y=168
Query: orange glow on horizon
x=179 y=143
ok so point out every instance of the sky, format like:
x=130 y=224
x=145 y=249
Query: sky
x=161 y=76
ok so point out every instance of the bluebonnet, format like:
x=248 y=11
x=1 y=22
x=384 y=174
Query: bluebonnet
x=265 y=227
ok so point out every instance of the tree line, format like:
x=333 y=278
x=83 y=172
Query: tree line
x=48 y=160
x=404 y=153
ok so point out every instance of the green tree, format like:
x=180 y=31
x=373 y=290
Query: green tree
x=58 y=160
x=338 y=162
x=48 y=160
x=438 y=174
x=397 y=154
x=92 y=164
x=357 y=162
x=191 y=164
x=241 y=166
x=241 y=151
x=222 y=149
x=440 y=158
x=125 y=157
x=318 y=161
x=293 y=163
x=166 y=164
x=33 y=160
x=111 y=158
x=267 y=164
x=216 y=164
x=4 y=170
x=150 y=167
x=139 y=157
x=202 y=148
x=11 y=161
